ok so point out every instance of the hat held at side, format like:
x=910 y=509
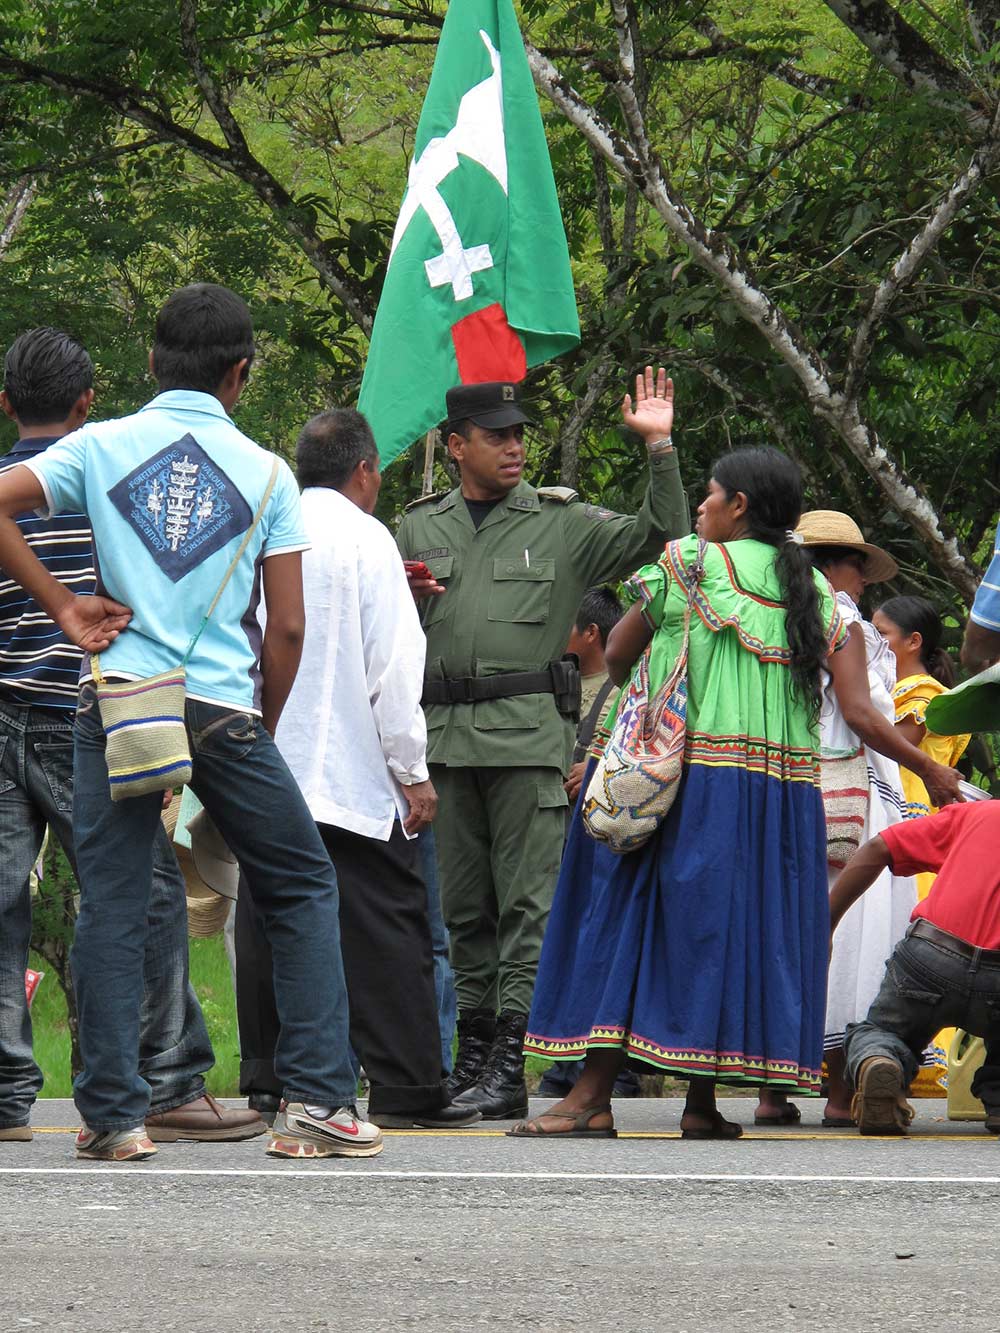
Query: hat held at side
x=207 y=910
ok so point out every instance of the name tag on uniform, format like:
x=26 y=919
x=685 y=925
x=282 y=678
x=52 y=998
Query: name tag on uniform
x=432 y=553
x=521 y=502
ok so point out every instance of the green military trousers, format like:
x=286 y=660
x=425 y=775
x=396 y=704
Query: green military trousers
x=499 y=834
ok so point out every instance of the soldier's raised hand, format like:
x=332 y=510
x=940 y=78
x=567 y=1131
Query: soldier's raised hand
x=652 y=414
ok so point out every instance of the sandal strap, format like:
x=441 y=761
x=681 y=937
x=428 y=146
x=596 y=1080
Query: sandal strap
x=581 y=1119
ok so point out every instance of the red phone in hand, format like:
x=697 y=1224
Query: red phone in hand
x=416 y=569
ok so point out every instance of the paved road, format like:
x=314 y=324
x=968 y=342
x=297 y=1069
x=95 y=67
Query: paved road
x=783 y=1230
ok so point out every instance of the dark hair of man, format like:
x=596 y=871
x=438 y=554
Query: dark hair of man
x=201 y=332
x=45 y=371
x=461 y=427
x=916 y=615
x=825 y=556
x=600 y=607
x=773 y=486
x=331 y=446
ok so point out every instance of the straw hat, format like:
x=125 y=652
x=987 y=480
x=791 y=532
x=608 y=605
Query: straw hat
x=207 y=910
x=213 y=860
x=828 y=527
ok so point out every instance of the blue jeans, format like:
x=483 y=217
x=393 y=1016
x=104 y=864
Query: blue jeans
x=36 y=789
x=929 y=985
x=244 y=784
x=444 y=978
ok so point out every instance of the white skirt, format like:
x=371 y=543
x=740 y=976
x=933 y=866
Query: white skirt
x=871 y=929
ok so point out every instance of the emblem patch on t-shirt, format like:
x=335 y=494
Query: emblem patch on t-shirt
x=182 y=505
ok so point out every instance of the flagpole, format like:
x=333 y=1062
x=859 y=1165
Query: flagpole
x=428 y=482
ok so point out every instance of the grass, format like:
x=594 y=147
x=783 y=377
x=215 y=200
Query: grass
x=212 y=981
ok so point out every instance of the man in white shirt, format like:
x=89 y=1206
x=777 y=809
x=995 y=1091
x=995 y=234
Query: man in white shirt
x=354 y=736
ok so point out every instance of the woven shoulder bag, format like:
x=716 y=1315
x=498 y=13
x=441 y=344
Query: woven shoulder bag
x=636 y=778
x=844 y=782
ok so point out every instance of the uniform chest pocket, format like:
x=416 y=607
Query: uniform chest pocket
x=436 y=608
x=521 y=593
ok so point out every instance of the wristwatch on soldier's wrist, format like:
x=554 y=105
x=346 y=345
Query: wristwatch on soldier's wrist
x=663 y=445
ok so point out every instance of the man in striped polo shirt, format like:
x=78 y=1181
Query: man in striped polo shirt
x=47 y=392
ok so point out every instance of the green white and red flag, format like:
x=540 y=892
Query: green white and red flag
x=478 y=285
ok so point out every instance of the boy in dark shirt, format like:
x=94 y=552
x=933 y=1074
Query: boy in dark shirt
x=945 y=972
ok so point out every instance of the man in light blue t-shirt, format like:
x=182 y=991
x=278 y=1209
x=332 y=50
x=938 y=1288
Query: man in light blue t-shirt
x=981 y=646
x=170 y=493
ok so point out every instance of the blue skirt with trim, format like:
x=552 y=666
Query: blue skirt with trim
x=705 y=951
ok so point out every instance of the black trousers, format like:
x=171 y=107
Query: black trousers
x=389 y=968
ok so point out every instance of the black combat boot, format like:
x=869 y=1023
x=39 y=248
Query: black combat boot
x=500 y=1093
x=476 y=1030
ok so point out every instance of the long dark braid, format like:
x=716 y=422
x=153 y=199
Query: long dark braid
x=773 y=486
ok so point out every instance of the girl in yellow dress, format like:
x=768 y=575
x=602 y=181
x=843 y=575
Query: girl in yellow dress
x=913 y=629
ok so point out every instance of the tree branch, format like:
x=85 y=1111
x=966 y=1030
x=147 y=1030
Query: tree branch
x=723 y=262
x=815 y=484
x=16 y=203
x=269 y=190
x=984 y=22
x=134 y=105
x=579 y=418
x=907 y=55
x=916 y=254
x=782 y=155
x=817 y=85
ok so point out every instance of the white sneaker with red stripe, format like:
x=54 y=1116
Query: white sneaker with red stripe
x=297 y=1133
x=115 y=1145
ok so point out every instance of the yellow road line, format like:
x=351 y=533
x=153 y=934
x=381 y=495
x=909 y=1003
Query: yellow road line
x=801 y=1136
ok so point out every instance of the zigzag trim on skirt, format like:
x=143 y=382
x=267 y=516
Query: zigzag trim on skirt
x=752 y=754
x=756 y=754
x=727 y=1066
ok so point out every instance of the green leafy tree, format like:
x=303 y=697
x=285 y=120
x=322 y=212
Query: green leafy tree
x=793 y=205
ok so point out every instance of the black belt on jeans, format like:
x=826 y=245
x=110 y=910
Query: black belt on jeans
x=935 y=935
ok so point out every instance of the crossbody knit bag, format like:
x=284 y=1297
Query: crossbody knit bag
x=636 y=779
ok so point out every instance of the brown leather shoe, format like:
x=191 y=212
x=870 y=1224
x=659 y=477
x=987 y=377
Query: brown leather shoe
x=203 y=1121
x=22 y=1133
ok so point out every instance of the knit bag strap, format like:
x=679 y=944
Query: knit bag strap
x=95 y=662
x=236 y=559
x=694 y=576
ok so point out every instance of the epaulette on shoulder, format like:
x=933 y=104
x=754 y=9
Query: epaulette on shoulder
x=424 y=499
x=561 y=494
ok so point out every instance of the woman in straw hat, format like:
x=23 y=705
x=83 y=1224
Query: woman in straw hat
x=857 y=732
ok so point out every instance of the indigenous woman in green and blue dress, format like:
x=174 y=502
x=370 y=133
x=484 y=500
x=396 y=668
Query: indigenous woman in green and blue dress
x=704 y=952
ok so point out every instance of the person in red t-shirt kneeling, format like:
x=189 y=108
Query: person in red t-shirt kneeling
x=945 y=972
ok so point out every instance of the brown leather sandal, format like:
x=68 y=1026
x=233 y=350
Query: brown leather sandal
x=531 y=1129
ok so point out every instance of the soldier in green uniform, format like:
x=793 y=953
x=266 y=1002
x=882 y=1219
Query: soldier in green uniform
x=508 y=565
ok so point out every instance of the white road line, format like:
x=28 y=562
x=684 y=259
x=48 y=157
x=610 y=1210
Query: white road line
x=371 y=1174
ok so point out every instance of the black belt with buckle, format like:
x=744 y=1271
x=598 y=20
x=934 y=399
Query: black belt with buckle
x=561 y=679
x=924 y=929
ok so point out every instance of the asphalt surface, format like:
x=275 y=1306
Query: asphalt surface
x=785 y=1229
